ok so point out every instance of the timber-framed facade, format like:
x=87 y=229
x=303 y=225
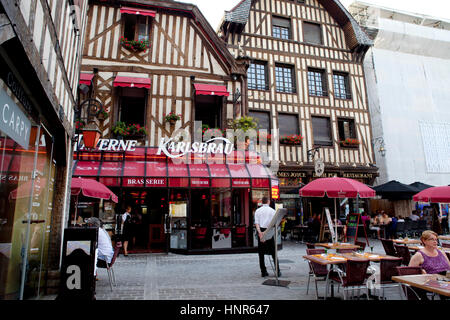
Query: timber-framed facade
x=321 y=48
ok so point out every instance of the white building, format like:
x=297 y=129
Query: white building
x=408 y=75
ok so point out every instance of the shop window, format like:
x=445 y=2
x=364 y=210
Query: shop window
x=263 y=119
x=322 y=131
x=284 y=78
x=257 y=76
x=208 y=110
x=312 y=33
x=221 y=207
x=132 y=106
x=341 y=85
x=281 y=28
x=136 y=27
x=317 y=84
x=346 y=129
x=288 y=124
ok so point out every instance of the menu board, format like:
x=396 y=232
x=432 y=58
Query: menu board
x=352 y=226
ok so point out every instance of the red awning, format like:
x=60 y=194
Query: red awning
x=132 y=82
x=210 y=90
x=158 y=173
x=138 y=11
x=86 y=78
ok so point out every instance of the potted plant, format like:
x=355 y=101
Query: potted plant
x=349 y=142
x=102 y=115
x=134 y=44
x=79 y=124
x=245 y=123
x=206 y=128
x=172 y=117
x=266 y=136
x=293 y=139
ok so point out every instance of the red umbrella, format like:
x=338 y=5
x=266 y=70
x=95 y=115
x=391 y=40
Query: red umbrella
x=434 y=194
x=337 y=187
x=92 y=188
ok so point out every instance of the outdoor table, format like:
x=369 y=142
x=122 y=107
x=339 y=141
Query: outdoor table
x=373 y=257
x=430 y=282
x=339 y=245
x=406 y=241
x=444 y=237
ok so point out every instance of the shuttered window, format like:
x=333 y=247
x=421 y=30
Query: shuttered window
x=288 y=124
x=263 y=119
x=281 y=28
x=322 y=131
x=312 y=33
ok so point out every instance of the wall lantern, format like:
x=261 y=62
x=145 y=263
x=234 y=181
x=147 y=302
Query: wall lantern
x=91 y=135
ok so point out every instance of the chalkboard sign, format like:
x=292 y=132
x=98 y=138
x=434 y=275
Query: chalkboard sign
x=352 y=226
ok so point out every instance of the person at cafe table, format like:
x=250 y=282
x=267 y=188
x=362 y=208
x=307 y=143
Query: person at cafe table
x=430 y=258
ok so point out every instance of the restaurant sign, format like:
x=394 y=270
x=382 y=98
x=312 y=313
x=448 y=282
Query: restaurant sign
x=358 y=175
x=178 y=149
x=13 y=121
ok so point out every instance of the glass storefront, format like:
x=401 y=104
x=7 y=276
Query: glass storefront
x=26 y=197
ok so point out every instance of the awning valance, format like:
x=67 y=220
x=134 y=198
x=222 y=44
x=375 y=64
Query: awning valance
x=132 y=82
x=138 y=11
x=167 y=174
x=210 y=90
x=86 y=78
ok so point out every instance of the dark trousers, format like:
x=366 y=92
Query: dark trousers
x=266 y=247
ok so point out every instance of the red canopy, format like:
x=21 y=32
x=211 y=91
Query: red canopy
x=211 y=90
x=92 y=188
x=337 y=187
x=434 y=194
x=138 y=11
x=132 y=82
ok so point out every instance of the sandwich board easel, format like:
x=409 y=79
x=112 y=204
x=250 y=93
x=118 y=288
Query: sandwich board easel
x=272 y=231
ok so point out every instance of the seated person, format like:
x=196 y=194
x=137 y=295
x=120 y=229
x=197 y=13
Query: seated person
x=430 y=258
x=104 y=246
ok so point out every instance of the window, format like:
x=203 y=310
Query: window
x=263 y=119
x=341 y=86
x=137 y=27
x=281 y=28
x=312 y=33
x=317 y=85
x=288 y=124
x=208 y=110
x=132 y=106
x=284 y=77
x=346 y=129
x=257 y=76
x=321 y=131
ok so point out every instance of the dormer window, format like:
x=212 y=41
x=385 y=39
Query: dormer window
x=137 y=23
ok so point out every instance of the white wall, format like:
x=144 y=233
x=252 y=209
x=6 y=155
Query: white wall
x=411 y=85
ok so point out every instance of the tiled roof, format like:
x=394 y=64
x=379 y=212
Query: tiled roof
x=239 y=14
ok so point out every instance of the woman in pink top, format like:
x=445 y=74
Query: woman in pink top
x=430 y=258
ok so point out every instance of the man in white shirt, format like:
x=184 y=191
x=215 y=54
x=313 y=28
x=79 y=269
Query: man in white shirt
x=263 y=216
x=414 y=216
x=104 y=246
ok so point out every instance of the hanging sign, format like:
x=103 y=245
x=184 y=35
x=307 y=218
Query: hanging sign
x=13 y=121
x=319 y=167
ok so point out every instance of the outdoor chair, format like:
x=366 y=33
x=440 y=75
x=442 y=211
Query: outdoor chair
x=408 y=291
x=239 y=236
x=102 y=264
x=403 y=252
x=362 y=245
x=414 y=229
x=388 y=246
x=400 y=232
x=317 y=271
x=387 y=271
x=353 y=278
x=445 y=244
x=421 y=226
x=345 y=250
x=407 y=227
x=310 y=245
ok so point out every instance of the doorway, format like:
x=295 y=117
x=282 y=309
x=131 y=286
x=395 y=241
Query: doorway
x=148 y=210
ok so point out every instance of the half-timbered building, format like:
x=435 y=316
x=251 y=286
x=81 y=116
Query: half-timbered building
x=159 y=65
x=40 y=55
x=306 y=82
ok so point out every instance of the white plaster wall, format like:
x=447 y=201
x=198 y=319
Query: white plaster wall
x=410 y=88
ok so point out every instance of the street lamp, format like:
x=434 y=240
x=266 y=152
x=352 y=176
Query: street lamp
x=91 y=132
x=381 y=149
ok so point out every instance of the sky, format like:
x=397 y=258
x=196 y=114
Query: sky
x=213 y=10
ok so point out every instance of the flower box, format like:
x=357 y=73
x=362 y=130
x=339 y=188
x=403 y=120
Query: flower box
x=294 y=139
x=349 y=143
x=134 y=45
x=129 y=131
